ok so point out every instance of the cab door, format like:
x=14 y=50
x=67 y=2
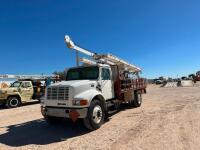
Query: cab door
x=107 y=86
x=26 y=90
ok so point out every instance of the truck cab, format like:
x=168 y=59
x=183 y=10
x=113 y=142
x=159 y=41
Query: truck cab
x=81 y=83
x=72 y=98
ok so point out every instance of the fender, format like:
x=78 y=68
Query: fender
x=14 y=94
x=89 y=95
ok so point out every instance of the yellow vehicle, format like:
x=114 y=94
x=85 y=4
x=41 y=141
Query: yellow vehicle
x=20 y=92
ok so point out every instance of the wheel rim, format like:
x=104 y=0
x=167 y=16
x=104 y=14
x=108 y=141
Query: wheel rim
x=139 y=99
x=97 y=114
x=14 y=102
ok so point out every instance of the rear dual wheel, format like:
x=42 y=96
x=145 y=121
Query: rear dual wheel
x=137 y=101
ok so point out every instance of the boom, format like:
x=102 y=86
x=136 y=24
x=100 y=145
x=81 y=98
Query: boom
x=104 y=58
x=70 y=44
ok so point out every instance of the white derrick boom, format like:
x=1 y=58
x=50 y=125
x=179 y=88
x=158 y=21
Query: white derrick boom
x=70 y=44
x=120 y=61
x=91 y=62
x=106 y=59
x=87 y=61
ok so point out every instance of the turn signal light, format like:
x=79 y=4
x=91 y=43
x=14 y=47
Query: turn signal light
x=83 y=102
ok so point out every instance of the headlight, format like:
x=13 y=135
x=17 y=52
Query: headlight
x=80 y=102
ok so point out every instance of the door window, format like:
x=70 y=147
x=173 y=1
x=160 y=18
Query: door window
x=105 y=74
x=26 y=84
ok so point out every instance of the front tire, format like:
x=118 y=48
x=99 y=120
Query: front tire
x=95 y=116
x=13 y=102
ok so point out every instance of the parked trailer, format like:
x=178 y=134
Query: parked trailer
x=93 y=90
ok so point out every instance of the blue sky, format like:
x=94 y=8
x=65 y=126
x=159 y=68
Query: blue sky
x=160 y=36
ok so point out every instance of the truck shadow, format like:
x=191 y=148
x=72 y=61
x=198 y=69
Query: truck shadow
x=40 y=133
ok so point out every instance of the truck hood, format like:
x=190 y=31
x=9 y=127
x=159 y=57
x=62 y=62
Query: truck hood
x=10 y=89
x=74 y=83
x=76 y=86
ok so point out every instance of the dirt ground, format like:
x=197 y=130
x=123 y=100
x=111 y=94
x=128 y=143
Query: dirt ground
x=169 y=118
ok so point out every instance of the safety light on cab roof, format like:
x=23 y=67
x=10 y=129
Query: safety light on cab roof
x=80 y=102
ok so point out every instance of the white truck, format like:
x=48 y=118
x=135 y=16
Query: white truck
x=93 y=90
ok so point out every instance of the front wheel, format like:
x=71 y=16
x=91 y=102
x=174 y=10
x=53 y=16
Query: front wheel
x=95 y=116
x=13 y=102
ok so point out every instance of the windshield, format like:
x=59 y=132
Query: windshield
x=16 y=84
x=85 y=73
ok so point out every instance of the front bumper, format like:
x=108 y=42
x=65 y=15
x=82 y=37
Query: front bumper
x=72 y=113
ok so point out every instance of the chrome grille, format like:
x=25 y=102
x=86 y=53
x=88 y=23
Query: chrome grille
x=58 y=93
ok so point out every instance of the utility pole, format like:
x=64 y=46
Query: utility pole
x=77 y=59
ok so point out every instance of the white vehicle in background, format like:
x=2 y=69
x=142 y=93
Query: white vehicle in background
x=91 y=91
